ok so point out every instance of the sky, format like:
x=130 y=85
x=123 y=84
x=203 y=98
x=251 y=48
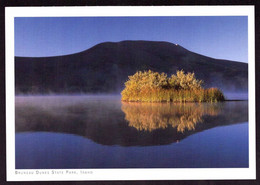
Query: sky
x=224 y=37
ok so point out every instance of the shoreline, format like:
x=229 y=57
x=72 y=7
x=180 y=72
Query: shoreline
x=112 y=95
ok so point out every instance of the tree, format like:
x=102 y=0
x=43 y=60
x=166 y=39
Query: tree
x=152 y=86
x=184 y=81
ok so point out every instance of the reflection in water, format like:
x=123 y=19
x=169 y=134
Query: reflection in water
x=152 y=116
x=108 y=121
x=143 y=135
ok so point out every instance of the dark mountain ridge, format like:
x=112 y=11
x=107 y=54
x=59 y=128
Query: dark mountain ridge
x=106 y=66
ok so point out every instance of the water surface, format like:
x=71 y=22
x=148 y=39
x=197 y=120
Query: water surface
x=102 y=132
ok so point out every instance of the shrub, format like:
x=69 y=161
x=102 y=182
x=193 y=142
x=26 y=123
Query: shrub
x=184 y=81
x=149 y=86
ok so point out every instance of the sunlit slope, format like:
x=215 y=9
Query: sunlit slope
x=106 y=66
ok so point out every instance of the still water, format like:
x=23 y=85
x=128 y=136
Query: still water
x=55 y=132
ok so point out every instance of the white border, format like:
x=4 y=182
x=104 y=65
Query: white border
x=128 y=174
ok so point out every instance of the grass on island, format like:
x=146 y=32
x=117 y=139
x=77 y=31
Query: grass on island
x=149 y=86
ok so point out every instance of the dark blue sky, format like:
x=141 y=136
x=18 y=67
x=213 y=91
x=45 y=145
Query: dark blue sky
x=217 y=37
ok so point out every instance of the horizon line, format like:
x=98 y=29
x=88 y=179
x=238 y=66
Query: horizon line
x=52 y=56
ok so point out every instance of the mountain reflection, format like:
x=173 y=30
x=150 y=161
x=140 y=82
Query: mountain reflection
x=108 y=121
x=152 y=116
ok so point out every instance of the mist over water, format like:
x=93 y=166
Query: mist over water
x=229 y=95
x=236 y=95
x=100 y=131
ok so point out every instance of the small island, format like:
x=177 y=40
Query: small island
x=149 y=86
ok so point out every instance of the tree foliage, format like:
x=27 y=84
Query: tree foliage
x=184 y=81
x=156 y=87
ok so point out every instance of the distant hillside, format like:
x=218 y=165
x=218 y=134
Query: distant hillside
x=106 y=66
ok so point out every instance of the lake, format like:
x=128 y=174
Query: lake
x=88 y=131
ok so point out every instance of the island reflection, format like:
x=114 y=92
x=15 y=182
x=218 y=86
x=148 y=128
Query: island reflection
x=152 y=116
x=108 y=121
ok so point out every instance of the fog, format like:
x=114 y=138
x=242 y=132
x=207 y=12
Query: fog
x=107 y=120
x=229 y=95
x=236 y=95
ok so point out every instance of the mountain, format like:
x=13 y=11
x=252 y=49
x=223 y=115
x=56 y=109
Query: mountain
x=105 y=67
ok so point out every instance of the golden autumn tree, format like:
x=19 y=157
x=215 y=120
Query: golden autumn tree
x=149 y=86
